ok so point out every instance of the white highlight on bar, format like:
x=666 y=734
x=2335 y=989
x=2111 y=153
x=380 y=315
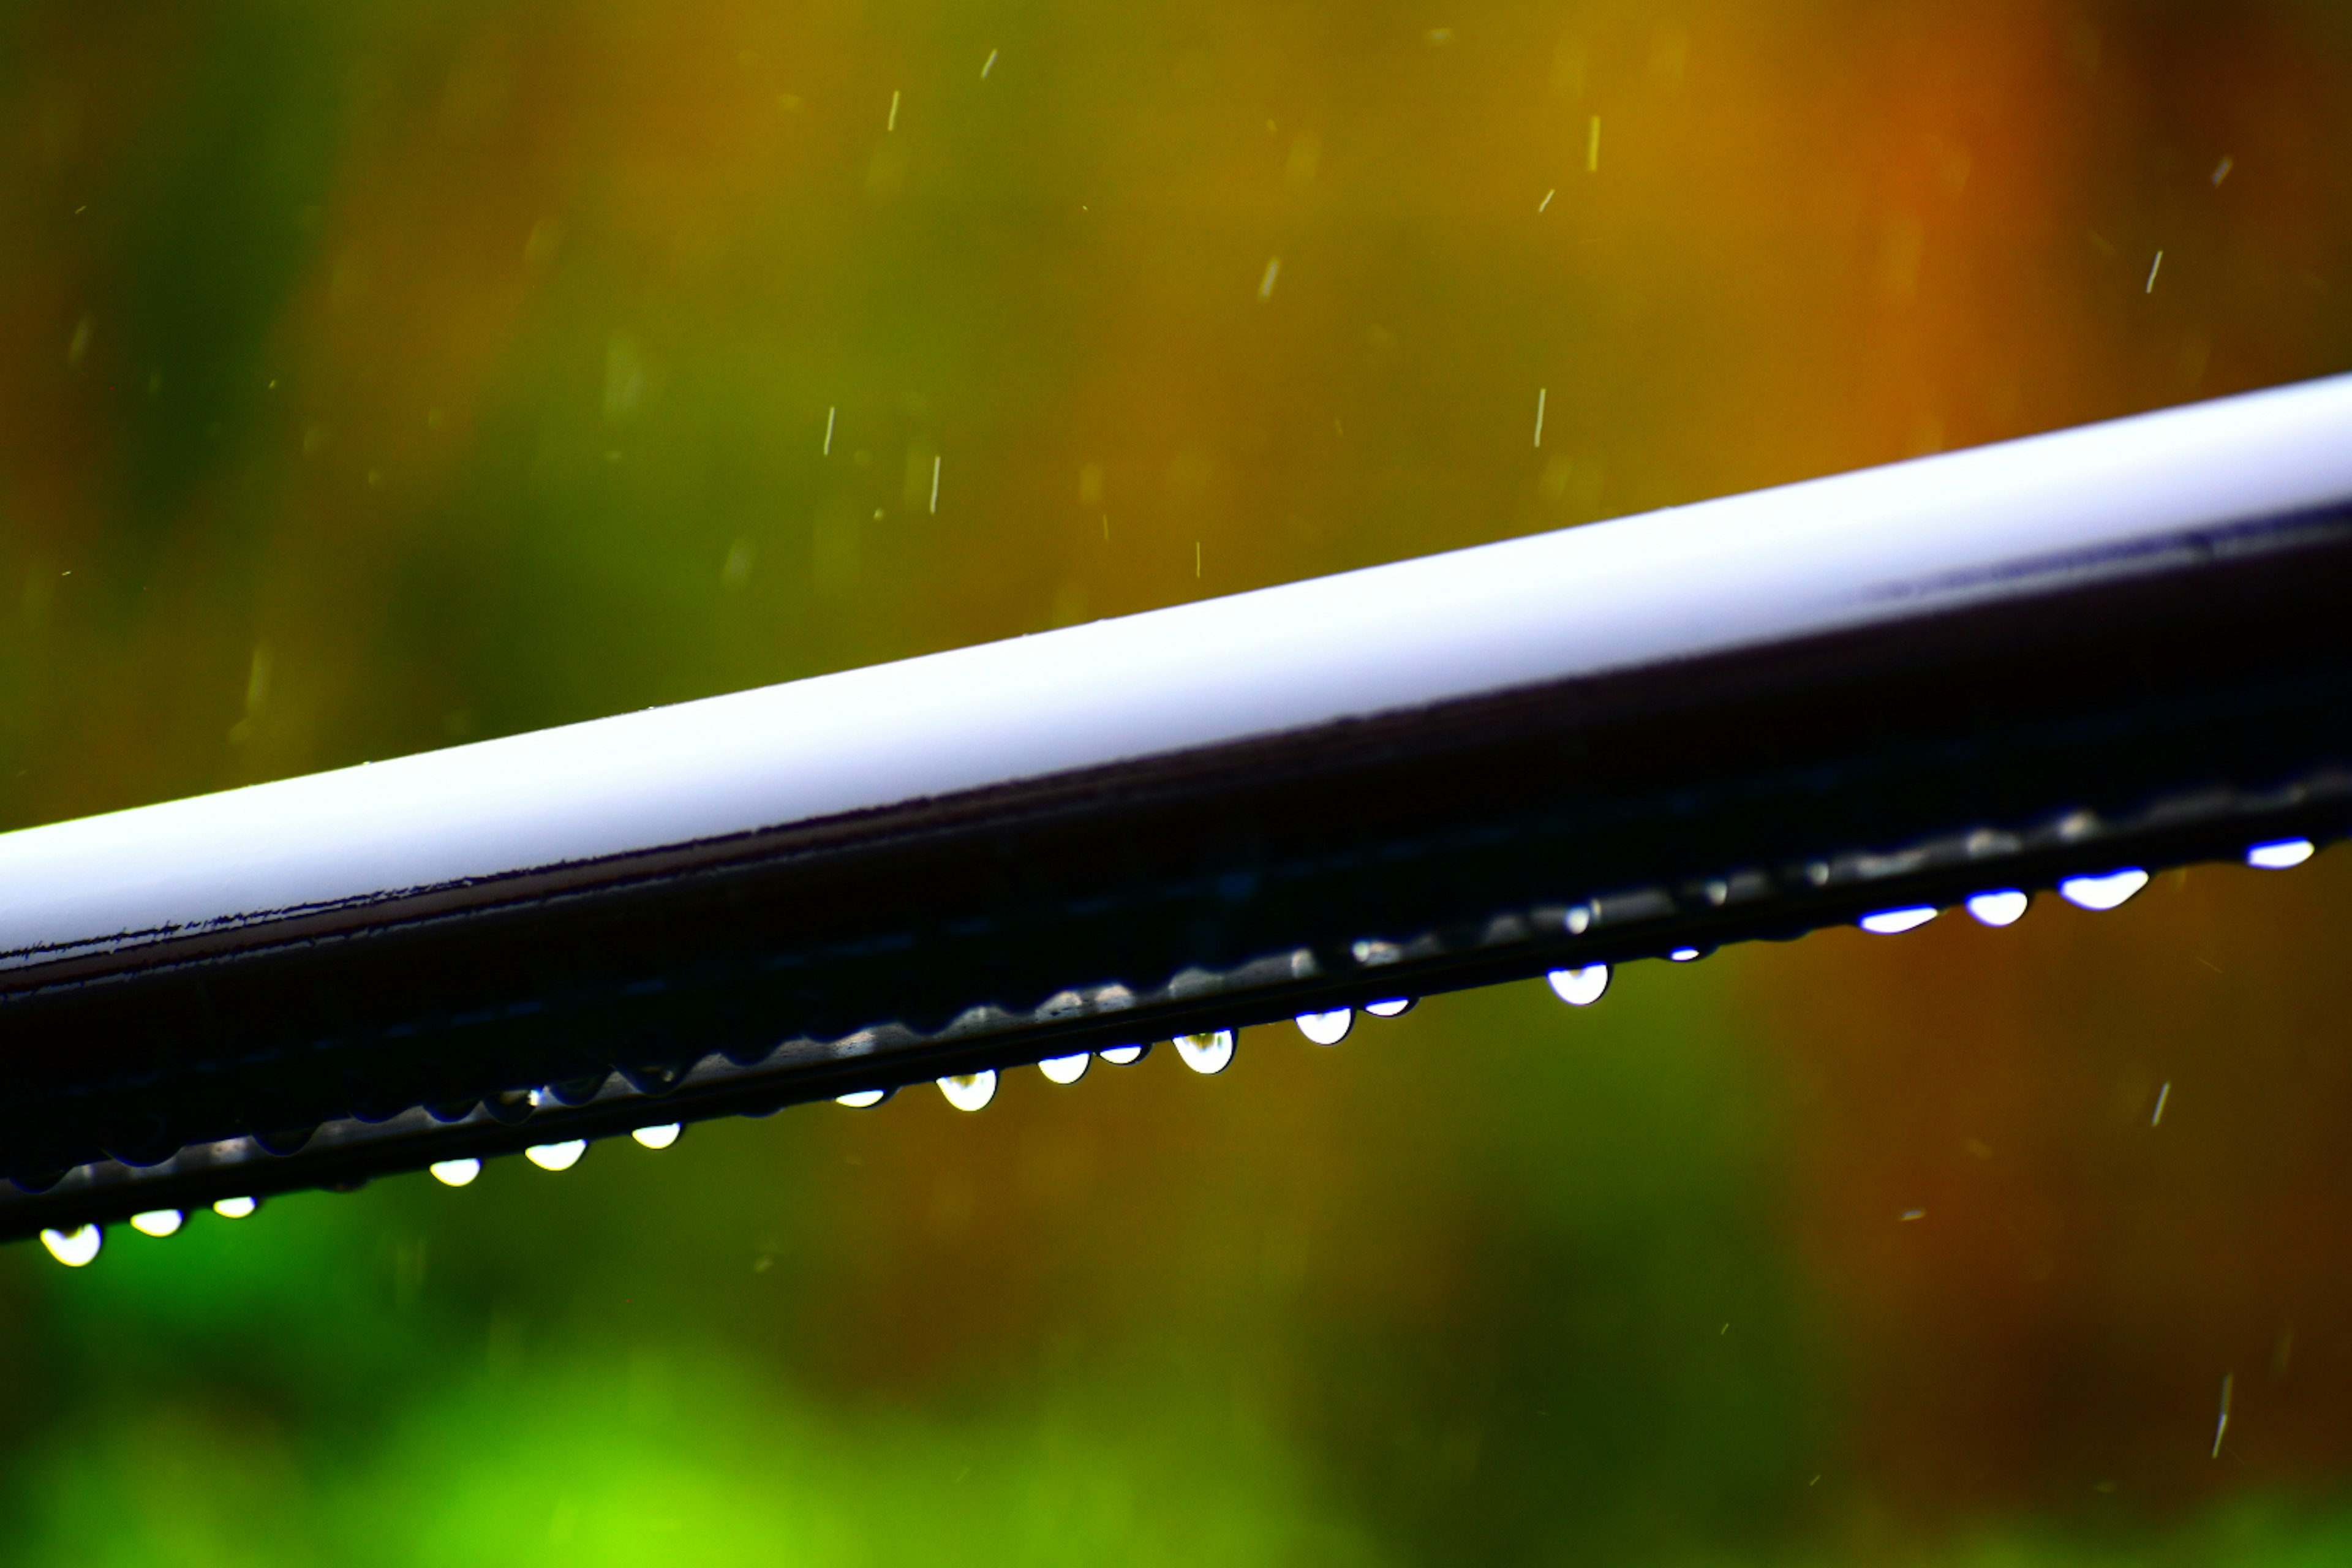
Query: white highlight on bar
x=2104 y=892
x=1824 y=555
x=2280 y=855
x=1893 y=922
x=454 y=1172
x=660 y=1136
x=557 y=1156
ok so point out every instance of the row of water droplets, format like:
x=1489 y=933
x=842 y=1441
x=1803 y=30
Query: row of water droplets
x=1208 y=1053
x=1212 y=1052
x=2107 y=890
x=80 y=1244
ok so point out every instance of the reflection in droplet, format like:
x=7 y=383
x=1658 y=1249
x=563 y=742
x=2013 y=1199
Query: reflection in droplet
x=1391 y=1008
x=158 y=1222
x=557 y=1156
x=2004 y=908
x=237 y=1208
x=862 y=1098
x=1685 y=955
x=1891 y=923
x=1207 y=1053
x=2103 y=893
x=2278 y=854
x=76 y=1247
x=454 y=1172
x=659 y=1137
x=1122 y=1056
x=1326 y=1028
x=1064 y=1070
x=969 y=1090
x=1579 y=987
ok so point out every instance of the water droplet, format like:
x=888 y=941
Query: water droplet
x=1891 y=923
x=971 y=1090
x=863 y=1099
x=1326 y=1028
x=76 y=1247
x=1685 y=954
x=1395 y=1007
x=158 y=1222
x=1123 y=1055
x=660 y=1137
x=1207 y=1053
x=1579 y=987
x=2103 y=893
x=557 y=1156
x=1064 y=1070
x=2278 y=854
x=454 y=1172
x=237 y=1208
x=2006 y=907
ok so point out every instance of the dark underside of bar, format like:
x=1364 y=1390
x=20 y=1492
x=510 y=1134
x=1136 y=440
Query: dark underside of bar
x=2144 y=712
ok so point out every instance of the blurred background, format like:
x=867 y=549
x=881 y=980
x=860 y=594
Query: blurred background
x=380 y=376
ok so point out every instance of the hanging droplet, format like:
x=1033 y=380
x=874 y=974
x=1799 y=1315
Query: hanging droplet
x=158 y=1222
x=1893 y=922
x=76 y=1247
x=1685 y=954
x=2004 y=908
x=2103 y=893
x=660 y=1137
x=1395 y=1007
x=1579 y=987
x=1123 y=1055
x=1064 y=1070
x=237 y=1208
x=1207 y=1053
x=969 y=1090
x=863 y=1099
x=557 y=1156
x=2280 y=854
x=454 y=1172
x=1326 y=1028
